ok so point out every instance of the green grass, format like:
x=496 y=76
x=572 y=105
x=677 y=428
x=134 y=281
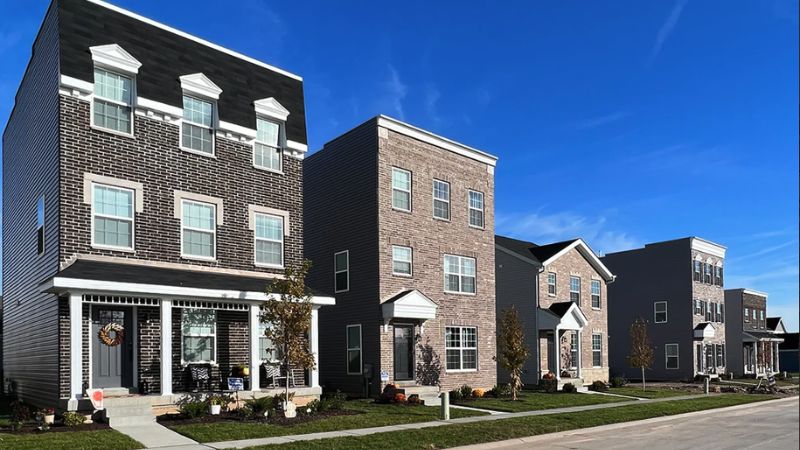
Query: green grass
x=533 y=401
x=634 y=391
x=69 y=440
x=5 y=411
x=373 y=415
x=498 y=430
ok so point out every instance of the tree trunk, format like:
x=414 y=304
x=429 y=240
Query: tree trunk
x=643 y=384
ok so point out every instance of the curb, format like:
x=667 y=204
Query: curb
x=614 y=426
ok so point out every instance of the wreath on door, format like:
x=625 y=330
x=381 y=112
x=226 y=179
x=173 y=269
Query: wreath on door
x=105 y=334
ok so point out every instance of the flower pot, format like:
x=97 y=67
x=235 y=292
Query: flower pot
x=245 y=371
x=289 y=410
x=215 y=409
x=49 y=418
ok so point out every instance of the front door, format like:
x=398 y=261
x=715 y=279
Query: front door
x=112 y=347
x=403 y=352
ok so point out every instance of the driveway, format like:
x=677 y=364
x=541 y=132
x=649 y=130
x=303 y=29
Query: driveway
x=767 y=426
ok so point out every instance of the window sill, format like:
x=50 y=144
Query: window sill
x=269 y=266
x=341 y=292
x=200 y=363
x=354 y=373
x=596 y=309
x=551 y=295
x=267 y=169
x=477 y=227
x=407 y=211
x=198 y=258
x=114 y=132
x=115 y=249
x=468 y=294
x=441 y=219
x=460 y=370
x=403 y=275
x=198 y=152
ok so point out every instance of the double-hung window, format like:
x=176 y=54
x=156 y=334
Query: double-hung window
x=573 y=350
x=698 y=267
x=660 y=312
x=40 y=225
x=199 y=229
x=597 y=349
x=401 y=260
x=697 y=308
x=476 y=209
x=596 y=294
x=720 y=358
x=719 y=276
x=197 y=129
x=459 y=274
x=266 y=348
x=267 y=149
x=112 y=217
x=575 y=290
x=551 y=283
x=441 y=199
x=112 y=101
x=341 y=271
x=354 y=349
x=707 y=270
x=401 y=189
x=710 y=312
x=461 y=348
x=199 y=334
x=671 y=356
x=747 y=314
x=722 y=313
x=269 y=240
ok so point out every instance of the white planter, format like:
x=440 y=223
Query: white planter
x=49 y=418
x=289 y=410
x=215 y=409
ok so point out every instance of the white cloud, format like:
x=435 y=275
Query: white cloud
x=594 y=122
x=394 y=94
x=789 y=312
x=666 y=29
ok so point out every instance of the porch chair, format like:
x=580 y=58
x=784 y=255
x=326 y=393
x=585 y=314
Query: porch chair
x=201 y=375
x=295 y=376
x=272 y=374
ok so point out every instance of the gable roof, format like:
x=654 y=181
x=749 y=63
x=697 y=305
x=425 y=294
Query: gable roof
x=546 y=254
x=776 y=324
x=517 y=247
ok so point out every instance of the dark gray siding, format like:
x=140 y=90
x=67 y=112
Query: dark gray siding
x=340 y=188
x=659 y=272
x=30 y=169
x=734 y=356
x=517 y=285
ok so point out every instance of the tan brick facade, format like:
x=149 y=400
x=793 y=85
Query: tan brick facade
x=710 y=293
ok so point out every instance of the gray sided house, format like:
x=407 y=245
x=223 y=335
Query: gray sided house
x=560 y=293
x=400 y=226
x=753 y=339
x=677 y=288
x=152 y=188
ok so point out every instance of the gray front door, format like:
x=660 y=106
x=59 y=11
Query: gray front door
x=403 y=352
x=112 y=352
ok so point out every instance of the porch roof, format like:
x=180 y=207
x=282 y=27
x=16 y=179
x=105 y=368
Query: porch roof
x=752 y=336
x=410 y=304
x=562 y=315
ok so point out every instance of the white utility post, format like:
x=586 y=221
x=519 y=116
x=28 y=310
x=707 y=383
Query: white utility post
x=166 y=346
x=75 y=350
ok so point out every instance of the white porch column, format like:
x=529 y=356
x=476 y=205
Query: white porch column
x=755 y=358
x=777 y=366
x=75 y=349
x=557 y=352
x=580 y=357
x=166 y=346
x=255 y=347
x=314 y=338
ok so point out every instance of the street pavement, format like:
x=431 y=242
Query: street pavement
x=762 y=426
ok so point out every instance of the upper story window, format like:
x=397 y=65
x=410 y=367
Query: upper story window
x=459 y=274
x=703 y=307
x=199 y=229
x=476 y=209
x=112 y=217
x=551 y=283
x=710 y=312
x=441 y=199
x=719 y=278
x=660 y=312
x=197 y=131
x=722 y=313
x=199 y=334
x=595 y=293
x=697 y=308
x=113 y=97
x=698 y=268
x=267 y=152
x=707 y=272
x=269 y=240
x=401 y=260
x=341 y=271
x=401 y=189
x=747 y=314
x=575 y=290
x=40 y=225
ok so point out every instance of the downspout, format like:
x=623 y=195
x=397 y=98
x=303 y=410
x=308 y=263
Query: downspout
x=536 y=325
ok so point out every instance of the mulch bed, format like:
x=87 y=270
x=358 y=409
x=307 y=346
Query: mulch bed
x=233 y=416
x=31 y=428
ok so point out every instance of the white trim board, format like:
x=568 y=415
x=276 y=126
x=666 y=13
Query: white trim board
x=587 y=253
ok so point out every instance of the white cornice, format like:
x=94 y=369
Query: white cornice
x=708 y=247
x=112 y=56
x=271 y=108
x=198 y=83
x=433 y=139
x=194 y=38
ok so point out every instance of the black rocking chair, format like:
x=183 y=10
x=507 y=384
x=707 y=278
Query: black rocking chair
x=201 y=376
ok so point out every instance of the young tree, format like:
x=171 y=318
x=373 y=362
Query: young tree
x=641 y=354
x=513 y=351
x=289 y=318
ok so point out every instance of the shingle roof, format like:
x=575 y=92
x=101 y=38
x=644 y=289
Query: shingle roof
x=545 y=252
x=560 y=308
x=772 y=322
x=538 y=253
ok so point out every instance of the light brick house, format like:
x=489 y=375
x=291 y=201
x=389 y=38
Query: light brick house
x=152 y=190
x=559 y=291
x=753 y=338
x=400 y=225
x=677 y=288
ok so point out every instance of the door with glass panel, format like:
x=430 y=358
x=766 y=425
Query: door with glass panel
x=112 y=347
x=403 y=352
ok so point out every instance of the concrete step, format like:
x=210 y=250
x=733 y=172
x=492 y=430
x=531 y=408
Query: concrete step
x=421 y=390
x=129 y=410
x=114 y=422
x=128 y=400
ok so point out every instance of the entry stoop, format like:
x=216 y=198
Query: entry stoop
x=126 y=411
x=577 y=382
x=428 y=394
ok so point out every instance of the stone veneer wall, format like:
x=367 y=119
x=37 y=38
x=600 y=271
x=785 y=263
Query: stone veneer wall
x=710 y=293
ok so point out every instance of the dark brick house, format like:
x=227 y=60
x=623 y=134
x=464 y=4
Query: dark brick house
x=152 y=189
x=754 y=339
x=400 y=225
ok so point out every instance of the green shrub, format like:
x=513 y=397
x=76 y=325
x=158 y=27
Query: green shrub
x=455 y=394
x=618 y=382
x=569 y=388
x=466 y=391
x=21 y=411
x=255 y=408
x=334 y=401
x=599 y=386
x=193 y=410
x=310 y=408
x=500 y=391
x=73 y=419
x=548 y=385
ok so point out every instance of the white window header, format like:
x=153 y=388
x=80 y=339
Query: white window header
x=112 y=56
x=271 y=108
x=201 y=85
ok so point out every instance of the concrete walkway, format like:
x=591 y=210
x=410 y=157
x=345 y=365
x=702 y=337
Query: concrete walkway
x=154 y=435
x=470 y=408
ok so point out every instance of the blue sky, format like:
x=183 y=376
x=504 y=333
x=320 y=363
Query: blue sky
x=622 y=122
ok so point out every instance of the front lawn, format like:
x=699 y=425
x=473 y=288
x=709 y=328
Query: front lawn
x=633 y=391
x=69 y=440
x=535 y=400
x=369 y=414
x=498 y=430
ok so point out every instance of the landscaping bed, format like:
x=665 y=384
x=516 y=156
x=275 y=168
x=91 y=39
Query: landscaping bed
x=529 y=400
x=171 y=420
x=656 y=390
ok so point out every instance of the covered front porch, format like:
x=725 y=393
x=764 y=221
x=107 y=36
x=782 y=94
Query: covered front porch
x=761 y=353
x=560 y=328
x=709 y=352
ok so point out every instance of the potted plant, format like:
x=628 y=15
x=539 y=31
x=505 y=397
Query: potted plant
x=215 y=405
x=242 y=370
x=49 y=415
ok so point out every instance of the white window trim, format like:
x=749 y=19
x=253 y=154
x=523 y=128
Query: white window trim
x=600 y=351
x=213 y=362
x=460 y=283
x=213 y=127
x=410 y=261
x=575 y=336
x=655 y=312
x=482 y=210
x=132 y=219
x=281 y=133
x=554 y=284
x=434 y=199
x=132 y=105
x=409 y=191
x=677 y=357
x=336 y=272
x=262 y=327
x=571 y=291
x=213 y=232
x=349 y=349
x=282 y=241
x=461 y=350
x=599 y=294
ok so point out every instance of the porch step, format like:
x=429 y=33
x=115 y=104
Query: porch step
x=577 y=382
x=125 y=411
x=428 y=394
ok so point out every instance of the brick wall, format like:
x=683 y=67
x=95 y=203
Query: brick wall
x=710 y=293
x=756 y=304
x=149 y=349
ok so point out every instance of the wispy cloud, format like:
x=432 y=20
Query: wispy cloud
x=432 y=96
x=594 y=122
x=545 y=228
x=772 y=233
x=666 y=29
x=764 y=251
x=394 y=94
x=266 y=23
x=754 y=279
